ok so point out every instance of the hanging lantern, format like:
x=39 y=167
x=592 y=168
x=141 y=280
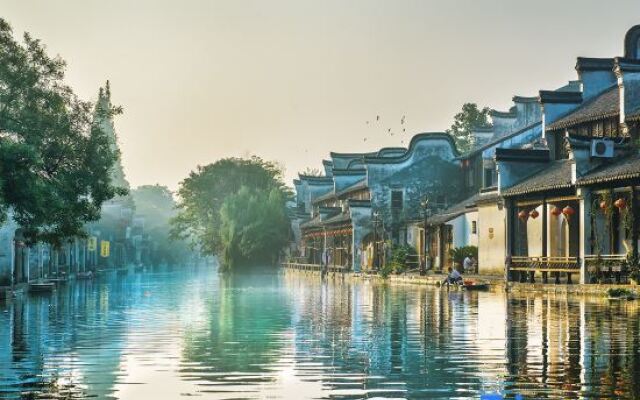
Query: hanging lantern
x=603 y=205
x=534 y=214
x=568 y=212
x=555 y=211
x=620 y=203
x=523 y=215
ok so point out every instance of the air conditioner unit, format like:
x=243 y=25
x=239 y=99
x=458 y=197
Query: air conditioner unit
x=602 y=148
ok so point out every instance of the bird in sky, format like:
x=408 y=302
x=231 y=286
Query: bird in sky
x=377 y=118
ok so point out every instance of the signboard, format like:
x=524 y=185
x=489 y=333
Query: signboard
x=104 y=248
x=92 y=244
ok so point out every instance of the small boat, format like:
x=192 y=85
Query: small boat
x=473 y=285
x=85 y=275
x=42 y=287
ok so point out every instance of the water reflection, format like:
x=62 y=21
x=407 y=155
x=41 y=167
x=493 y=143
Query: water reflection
x=191 y=332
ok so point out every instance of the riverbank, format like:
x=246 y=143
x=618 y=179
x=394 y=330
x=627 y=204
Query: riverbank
x=496 y=283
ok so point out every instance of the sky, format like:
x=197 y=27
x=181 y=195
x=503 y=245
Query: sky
x=292 y=80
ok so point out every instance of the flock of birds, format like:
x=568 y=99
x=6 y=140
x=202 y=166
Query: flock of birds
x=389 y=130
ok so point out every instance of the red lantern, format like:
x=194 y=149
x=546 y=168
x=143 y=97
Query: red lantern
x=603 y=205
x=523 y=215
x=555 y=211
x=620 y=203
x=568 y=211
x=534 y=214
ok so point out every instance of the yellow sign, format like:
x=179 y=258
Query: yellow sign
x=93 y=243
x=104 y=248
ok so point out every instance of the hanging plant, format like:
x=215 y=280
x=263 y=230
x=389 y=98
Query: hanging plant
x=523 y=215
x=534 y=214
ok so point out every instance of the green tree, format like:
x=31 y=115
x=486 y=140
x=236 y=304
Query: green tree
x=254 y=227
x=157 y=206
x=464 y=122
x=203 y=193
x=54 y=156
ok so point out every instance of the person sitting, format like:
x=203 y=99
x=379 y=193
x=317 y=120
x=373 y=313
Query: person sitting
x=453 y=277
x=467 y=264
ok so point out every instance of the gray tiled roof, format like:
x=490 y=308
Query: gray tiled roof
x=498 y=140
x=556 y=176
x=356 y=186
x=463 y=207
x=606 y=104
x=327 y=196
x=626 y=168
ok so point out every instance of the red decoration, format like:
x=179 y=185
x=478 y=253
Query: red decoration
x=603 y=205
x=555 y=211
x=620 y=203
x=523 y=215
x=534 y=214
x=568 y=211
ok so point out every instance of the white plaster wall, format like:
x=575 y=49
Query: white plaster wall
x=534 y=234
x=461 y=229
x=491 y=239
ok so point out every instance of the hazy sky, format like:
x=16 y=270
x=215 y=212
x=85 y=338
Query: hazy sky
x=292 y=80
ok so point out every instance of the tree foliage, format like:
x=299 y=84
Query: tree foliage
x=202 y=197
x=312 y=172
x=469 y=118
x=253 y=226
x=156 y=204
x=54 y=156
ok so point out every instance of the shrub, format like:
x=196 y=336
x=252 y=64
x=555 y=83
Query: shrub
x=386 y=270
x=400 y=257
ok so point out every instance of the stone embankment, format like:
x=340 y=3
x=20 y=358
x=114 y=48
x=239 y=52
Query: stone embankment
x=496 y=283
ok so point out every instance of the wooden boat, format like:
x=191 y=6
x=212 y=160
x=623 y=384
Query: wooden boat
x=42 y=287
x=473 y=285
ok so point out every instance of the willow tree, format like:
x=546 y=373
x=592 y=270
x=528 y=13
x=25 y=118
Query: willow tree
x=55 y=158
x=208 y=215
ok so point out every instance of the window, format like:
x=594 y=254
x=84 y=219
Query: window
x=396 y=199
x=470 y=176
x=474 y=227
x=488 y=177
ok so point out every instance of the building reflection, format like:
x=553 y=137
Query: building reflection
x=428 y=340
x=252 y=335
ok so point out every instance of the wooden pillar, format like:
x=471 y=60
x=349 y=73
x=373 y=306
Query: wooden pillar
x=545 y=232
x=634 y=224
x=509 y=236
x=585 y=235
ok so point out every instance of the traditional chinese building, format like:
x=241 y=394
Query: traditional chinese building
x=571 y=204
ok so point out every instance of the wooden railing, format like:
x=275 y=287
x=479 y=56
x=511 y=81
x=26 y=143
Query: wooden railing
x=607 y=267
x=545 y=264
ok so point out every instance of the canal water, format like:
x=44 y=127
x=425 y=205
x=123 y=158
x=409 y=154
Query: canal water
x=191 y=332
